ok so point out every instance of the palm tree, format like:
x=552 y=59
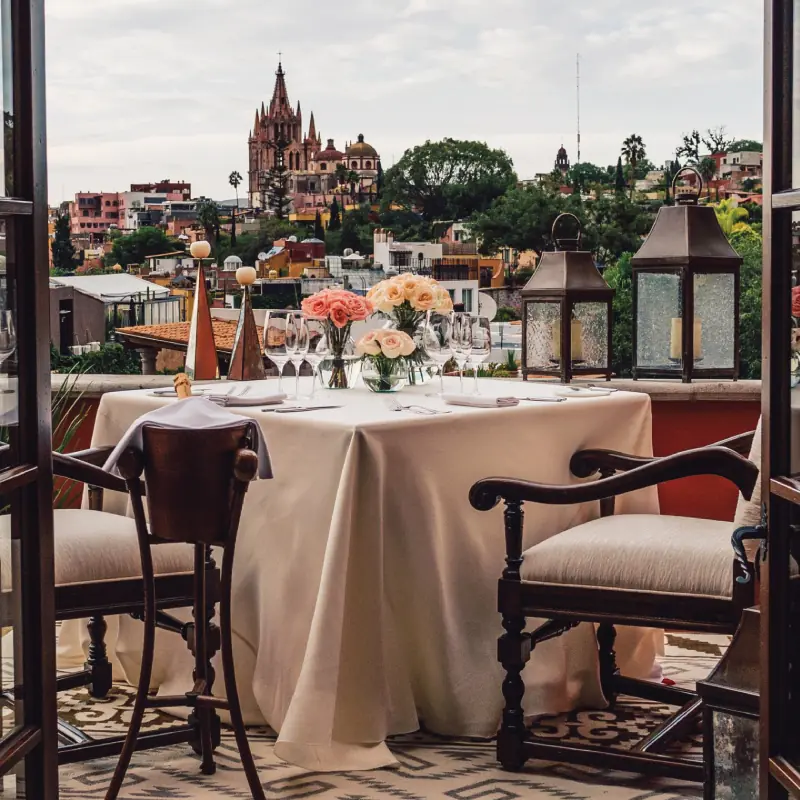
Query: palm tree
x=352 y=178
x=634 y=152
x=708 y=169
x=234 y=179
x=341 y=174
x=731 y=217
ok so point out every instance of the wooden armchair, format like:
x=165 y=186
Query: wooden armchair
x=676 y=573
x=98 y=572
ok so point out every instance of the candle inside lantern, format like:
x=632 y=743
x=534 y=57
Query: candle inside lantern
x=577 y=340
x=676 y=339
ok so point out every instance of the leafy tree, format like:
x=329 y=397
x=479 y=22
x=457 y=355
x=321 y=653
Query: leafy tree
x=450 y=179
x=671 y=169
x=748 y=244
x=64 y=257
x=582 y=176
x=234 y=179
x=615 y=226
x=744 y=145
x=619 y=277
x=707 y=169
x=379 y=181
x=633 y=151
x=752 y=185
x=319 y=231
x=277 y=180
x=335 y=221
x=135 y=247
x=690 y=149
x=333 y=242
x=208 y=217
x=731 y=217
x=406 y=226
x=619 y=177
x=350 y=234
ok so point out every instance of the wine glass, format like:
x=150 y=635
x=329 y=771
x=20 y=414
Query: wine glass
x=461 y=341
x=296 y=345
x=481 y=344
x=318 y=349
x=436 y=341
x=8 y=339
x=275 y=326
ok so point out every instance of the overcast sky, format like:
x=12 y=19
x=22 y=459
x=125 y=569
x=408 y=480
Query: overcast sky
x=140 y=90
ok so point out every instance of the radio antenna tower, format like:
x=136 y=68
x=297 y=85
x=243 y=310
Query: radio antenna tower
x=578 y=86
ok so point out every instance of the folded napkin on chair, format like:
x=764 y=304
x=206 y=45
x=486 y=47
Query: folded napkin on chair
x=195 y=413
x=479 y=401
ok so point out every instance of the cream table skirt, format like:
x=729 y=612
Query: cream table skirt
x=364 y=598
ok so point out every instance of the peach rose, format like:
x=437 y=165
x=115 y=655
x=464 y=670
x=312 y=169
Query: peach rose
x=409 y=346
x=359 y=307
x=393 y=295
x=392 y=344
x=368 y=344
x=316 y=306
x=444 y=304
x=423 y=298
x=338 y=314
x=796 y=301
x=409 y=284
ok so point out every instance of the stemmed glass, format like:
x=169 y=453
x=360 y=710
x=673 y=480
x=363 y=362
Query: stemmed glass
x=436 y=339
x=275 y=328
x=8 y=339
x=461 y=341
x=296 y=345
x=318 y=349
x=481 y=344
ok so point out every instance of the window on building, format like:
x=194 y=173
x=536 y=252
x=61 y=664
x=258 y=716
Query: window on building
x=466 y=298
x=323 y=165
x=83 y=224
x=108 y=202
x=354 y=165
x=114 y=203
x=84 y=213
x=368 y=165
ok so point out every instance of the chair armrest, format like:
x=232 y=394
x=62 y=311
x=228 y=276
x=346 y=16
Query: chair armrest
x=721 y=461
x=94 y=455
x=67 y=466
x=587 y=462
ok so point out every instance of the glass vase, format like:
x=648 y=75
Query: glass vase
x=337 y=369
x=383 y=374
x=415 y=363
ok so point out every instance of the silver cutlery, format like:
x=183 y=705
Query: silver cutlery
x=414 y=409
x=544 y=399
x=296 y=409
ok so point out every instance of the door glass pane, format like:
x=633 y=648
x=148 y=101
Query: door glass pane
x=6 y=79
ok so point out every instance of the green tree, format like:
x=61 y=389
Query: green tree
x=450 y=179
x=690 y=149
x=335 y=221
x=716 y=140
x=619 y=177
x=633 y=151
x=234 y=179
x=208 y=217
x=319 y=231
x=135 y=247
x=745 y=145
x=581 y=176
x=618 y=277
x=748 y=244
x=64 y=257
x=615 y=225
x=708 y=169
x=277 y=180
x=731 y=217
x=379 y=181
x=350 y=234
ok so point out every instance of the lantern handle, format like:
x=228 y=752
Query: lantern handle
x=575 y=242
x=694 y=197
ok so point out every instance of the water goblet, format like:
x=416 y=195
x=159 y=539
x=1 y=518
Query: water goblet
x=436 y=341
x=296 y=345
x=275 y=325
x=481 y=344
x=318 y=349
x=461 y=342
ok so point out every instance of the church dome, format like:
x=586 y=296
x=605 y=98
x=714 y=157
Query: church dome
x=361 y=148
x=330 y=153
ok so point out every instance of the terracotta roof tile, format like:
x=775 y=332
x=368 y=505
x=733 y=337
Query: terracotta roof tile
x=178 y=332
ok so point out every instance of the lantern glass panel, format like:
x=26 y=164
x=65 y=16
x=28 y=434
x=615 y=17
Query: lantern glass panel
x=542 y=334
x=592 y=328
x=735 y=756
x=658 y=320
x=715 y=324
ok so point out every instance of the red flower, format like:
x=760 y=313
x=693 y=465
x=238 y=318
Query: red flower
x=796 y=301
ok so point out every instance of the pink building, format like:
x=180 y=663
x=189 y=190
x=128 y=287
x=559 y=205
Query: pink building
x=92 y=213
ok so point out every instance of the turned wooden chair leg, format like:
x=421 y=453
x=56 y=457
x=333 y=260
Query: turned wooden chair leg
x=513 y=652
x=203 y=672
x=97 y=662
x=606 y=636
x=148 y=650
x=234 y=706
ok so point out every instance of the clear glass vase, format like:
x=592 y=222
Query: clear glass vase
x=337 y=369
x=384 y=374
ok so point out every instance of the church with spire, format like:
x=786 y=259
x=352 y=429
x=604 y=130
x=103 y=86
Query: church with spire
x=314 y=172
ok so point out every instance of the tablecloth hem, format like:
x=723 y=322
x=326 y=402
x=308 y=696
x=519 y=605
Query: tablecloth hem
x=336 y=757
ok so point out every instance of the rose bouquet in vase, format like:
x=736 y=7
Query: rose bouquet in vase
x=406 y=301
x=338 y=309
x=794 y=365
x=383 y=354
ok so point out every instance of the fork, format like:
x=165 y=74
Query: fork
x=414 y=409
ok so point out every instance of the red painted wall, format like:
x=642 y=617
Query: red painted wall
x=681 y=426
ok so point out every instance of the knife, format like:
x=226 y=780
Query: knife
x=295 y=410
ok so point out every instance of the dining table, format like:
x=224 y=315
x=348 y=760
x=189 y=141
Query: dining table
x=364 y=594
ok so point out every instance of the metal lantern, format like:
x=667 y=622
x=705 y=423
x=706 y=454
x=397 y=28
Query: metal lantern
x=686 y=295
x=566 y=314
x=730 y=717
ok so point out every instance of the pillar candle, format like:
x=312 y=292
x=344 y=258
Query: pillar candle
x=577 y=343
x=676 y=337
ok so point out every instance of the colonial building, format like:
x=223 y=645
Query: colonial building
x=315 y=174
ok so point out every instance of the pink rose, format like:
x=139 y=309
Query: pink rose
x=796 y=301
x=316 y=306
x=338 y=313
x=357 y=307
x=368 y=344
x=392 y=344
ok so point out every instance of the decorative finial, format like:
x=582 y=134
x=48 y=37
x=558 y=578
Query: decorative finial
x=247 y=363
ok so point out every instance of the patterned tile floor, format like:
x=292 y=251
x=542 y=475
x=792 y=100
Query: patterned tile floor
x=430 y=767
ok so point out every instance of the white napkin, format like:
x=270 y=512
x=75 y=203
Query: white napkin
x=232 y=400
x=479 y=401
x=193 y=413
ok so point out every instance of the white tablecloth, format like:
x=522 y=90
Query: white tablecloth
x=365 y=584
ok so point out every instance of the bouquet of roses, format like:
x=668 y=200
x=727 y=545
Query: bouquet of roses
x=408 y=298
x=384 y=351
x=339 y=309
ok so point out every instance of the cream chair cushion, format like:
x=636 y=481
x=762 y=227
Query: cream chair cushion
x=643 y=552
x=97 y=546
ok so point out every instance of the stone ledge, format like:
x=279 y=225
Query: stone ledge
x=92 y=386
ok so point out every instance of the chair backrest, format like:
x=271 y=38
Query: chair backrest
x=748 y=512
x=195 y=481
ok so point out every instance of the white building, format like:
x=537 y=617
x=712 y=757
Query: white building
x=168 y=263
x=740 y=165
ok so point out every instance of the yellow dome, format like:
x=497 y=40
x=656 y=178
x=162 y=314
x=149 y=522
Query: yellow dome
x=361 y=148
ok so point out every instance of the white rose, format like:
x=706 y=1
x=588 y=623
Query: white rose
x=368 y=345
